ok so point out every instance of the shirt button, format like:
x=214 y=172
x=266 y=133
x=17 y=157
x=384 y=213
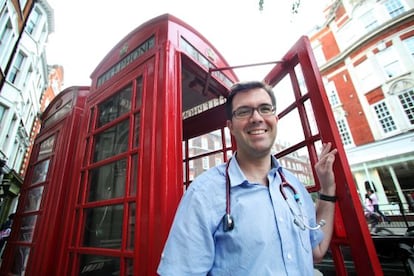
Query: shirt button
x=289 y=256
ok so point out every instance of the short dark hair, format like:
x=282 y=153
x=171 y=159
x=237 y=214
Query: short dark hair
x=245 y=86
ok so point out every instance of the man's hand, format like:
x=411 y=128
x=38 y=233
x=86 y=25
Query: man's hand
x=324 y=169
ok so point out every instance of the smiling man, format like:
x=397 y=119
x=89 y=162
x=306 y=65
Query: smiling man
x=251 y=216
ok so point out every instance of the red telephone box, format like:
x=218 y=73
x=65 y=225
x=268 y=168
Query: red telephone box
x=151 y=121
x=44 y=195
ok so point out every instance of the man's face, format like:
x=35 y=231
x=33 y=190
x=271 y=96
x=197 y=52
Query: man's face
x=254 y=134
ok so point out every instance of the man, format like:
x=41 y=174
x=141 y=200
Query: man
x=271 y=228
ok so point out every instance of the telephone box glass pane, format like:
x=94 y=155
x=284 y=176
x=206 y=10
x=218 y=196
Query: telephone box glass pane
x=284 y=94
x=139 y=93
x=131 y=227
x=108 y=181
x=46 y=148
x=20 y=260
x=136 y=129
x=98 y=265
x=112 y=141
x=33 y=199
x=129 y=267
x=301 y=80
x=134 y=176
x=115 y=106
x=293 y=131
x=298 y=162
x=103 y=227
x=40 y=172
x=27 y=227
x=62 y=112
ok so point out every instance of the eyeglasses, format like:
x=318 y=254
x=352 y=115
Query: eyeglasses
x=247 y=111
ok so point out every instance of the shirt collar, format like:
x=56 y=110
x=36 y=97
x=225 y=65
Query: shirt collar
x=237 y=176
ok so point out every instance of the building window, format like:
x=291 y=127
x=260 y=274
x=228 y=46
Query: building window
x=407 y=102
x=409 y=43
x=2 y=112
x=384 y=117
x=16 y=70
x=332 y=94
x=204 y=143
x=366 y=74
x=344 y=132
x=6 y=37
x=206 y=164
x=33 y=21
x=369 y=21
x=394 y=7
x=347 y=35
x=319 y=55
x=218 y=161
x=390 y=63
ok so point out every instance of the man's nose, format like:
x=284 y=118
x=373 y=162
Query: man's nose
x=256 y=115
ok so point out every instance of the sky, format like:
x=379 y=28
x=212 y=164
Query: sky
x=85 y=31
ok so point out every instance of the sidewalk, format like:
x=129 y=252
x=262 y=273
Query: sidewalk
x=393 y=227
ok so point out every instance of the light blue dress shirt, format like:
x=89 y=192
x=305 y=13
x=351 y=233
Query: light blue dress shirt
x=264 y=241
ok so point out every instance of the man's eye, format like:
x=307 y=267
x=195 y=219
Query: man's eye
x=266 y=109
x=243 y=112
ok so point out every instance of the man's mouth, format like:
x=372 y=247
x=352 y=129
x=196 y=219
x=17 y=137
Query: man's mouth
x=257 y=131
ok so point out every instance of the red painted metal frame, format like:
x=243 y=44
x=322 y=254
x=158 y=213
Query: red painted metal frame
x=350 y=225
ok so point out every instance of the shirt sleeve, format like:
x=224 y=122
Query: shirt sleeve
x=189 y=249
x=316 y=237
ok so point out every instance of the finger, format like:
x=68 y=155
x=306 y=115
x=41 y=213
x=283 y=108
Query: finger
x=325 y=148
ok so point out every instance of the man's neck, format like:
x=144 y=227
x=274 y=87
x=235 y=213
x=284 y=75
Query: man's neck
x=255 y=169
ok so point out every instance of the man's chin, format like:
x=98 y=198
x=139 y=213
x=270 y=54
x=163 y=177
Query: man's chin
x=261 y=151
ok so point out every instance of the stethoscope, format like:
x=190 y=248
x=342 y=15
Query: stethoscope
x=228 y=220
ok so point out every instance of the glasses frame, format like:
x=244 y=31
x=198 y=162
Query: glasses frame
x=252 y=109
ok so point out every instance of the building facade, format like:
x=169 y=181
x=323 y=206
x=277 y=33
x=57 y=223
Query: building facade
x=365 y=52
x=24 y=30
x=55 y=82
x=13 y=17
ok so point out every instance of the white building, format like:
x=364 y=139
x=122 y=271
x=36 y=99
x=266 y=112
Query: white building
x=25 y=81
x=365 y=52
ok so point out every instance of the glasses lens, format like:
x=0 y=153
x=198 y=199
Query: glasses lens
x=243 y=112
x=266 y=109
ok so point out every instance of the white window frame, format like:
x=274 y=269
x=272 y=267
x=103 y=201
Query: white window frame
x=332 y=94
x=406 y=99
x=394 y=7
x=6 y=37
x=16 y=74
x=344 y=132
x=409 y=44
x=384 y=117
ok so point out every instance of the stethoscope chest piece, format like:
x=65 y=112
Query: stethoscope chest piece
x=228 y=223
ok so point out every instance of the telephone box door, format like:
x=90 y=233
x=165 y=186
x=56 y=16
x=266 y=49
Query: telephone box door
x=305 y=122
